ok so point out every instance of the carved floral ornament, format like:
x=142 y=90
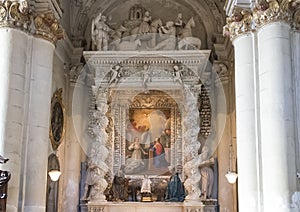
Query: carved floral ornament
x=245 y=20
x=18 y=14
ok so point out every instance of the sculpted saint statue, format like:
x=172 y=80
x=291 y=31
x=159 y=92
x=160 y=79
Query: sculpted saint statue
x=100 y=33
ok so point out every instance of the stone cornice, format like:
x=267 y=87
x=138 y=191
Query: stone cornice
x=146 y=57
x=243 y=21
x=41 y=23
x=14 y=14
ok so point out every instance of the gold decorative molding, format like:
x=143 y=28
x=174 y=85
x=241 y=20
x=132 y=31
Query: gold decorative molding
x=14 y=14
x=47 y=26
x=266 y=11
x=239 y=23
x=294 y=6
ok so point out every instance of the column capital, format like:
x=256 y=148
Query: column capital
x=73 y=72
x=47 y=27
x=41 y=23
x=243 y=21
x=14 y=14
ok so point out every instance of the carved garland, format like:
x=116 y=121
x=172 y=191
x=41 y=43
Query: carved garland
x=243 y=20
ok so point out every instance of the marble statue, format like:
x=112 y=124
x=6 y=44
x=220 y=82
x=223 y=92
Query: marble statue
x=100 y=32
x=175 y=190
x=207 y=181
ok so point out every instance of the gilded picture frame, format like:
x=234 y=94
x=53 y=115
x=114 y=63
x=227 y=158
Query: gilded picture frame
x=57 y=119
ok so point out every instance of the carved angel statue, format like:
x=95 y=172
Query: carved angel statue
x=146 y=76
x=115 y=74
x=177 y=74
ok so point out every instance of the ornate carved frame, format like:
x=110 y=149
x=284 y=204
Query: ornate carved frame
x=57 y=119
x=158 y=100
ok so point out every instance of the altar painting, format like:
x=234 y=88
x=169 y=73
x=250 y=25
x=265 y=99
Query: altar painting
x=148 y=141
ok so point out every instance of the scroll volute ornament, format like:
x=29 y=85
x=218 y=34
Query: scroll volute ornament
x=47 y=26
x=14 y=14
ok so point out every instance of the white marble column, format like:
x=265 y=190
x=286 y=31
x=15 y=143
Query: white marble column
x=73 y=135
x=38 y=125
x=246 y=122
x=296 y=68
x=13 y=74
x=277 y=116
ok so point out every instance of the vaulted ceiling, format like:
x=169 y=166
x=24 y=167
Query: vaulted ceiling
x=209 y=16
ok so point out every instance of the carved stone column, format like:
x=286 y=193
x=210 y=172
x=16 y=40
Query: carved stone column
x=277 y=107
x=14 y=75
x=99 y=151
x=269 y=77
x=71 y=173
x=26 y=78
x=46 y=33
x=246 y=119
x=191 y=144
x=296 y=65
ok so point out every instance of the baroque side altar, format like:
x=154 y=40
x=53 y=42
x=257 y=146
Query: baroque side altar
x=137 y=97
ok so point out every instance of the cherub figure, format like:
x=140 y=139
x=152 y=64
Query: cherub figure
x=177 y=74
x=115 y=74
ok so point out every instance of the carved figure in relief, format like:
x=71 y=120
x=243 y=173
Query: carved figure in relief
x=89 y=182
x=115 y=74
x=168 y=34
x=177 y=74
x=100 y=32
x=179 y=24
x=186 y=37
x=145 y=25
x=146 y=76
